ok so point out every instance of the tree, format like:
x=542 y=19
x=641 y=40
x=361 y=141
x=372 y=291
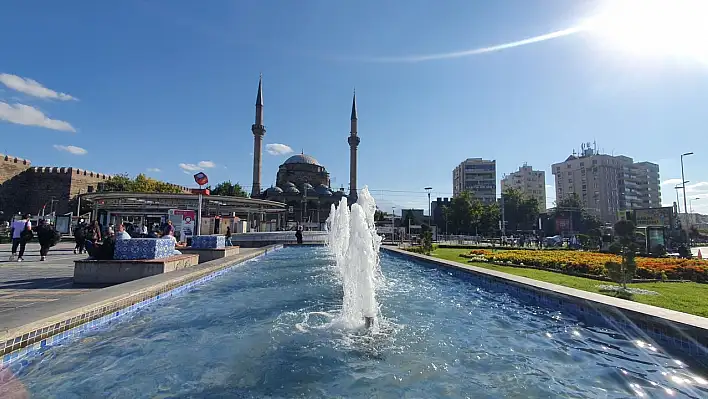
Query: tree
x=426 y=242
x=520 y=211
x=490 y=215
x=623 y=272
x=228 y=189
x=141 y=184
x=379 y=216
x=570 y=207
x=461 y=213
x=408 y=218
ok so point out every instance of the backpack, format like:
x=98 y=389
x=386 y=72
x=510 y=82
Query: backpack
x=26 y=235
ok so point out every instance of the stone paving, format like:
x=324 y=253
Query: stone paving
x=32 y=282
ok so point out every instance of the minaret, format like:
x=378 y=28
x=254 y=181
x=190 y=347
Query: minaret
x=353 y=144
x=258 y=132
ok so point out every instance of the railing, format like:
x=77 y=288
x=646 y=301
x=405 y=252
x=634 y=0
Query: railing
x=281 y=236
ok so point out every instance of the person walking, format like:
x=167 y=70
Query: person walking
x=21 y=235
x=47 y=237
x=80 y=236
x=228 y=237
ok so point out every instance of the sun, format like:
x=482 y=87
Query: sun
x=654 y=27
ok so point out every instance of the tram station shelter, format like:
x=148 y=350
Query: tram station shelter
x=154 y=209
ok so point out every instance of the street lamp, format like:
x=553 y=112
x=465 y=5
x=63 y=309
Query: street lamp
x=683 y=179
x=690 y=203
x=430 y=213
x=393 y=225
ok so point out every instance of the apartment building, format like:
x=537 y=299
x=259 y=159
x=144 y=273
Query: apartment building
x=531 y=183
x=478 y=176
x=607 y=184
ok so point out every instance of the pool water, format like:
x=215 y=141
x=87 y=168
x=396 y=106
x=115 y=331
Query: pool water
x=266 y=330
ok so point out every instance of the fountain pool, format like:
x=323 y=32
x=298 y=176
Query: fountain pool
x=265 y=330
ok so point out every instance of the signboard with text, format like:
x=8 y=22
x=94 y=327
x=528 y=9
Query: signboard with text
x=653 y=216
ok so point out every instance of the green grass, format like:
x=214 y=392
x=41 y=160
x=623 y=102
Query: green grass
x=683 y=297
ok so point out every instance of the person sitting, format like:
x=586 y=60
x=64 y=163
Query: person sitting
x=106 y=249
x=122 y=234
x=171 y=236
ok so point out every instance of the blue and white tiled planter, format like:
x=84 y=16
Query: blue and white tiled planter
x=144 y=248
x=209 y=242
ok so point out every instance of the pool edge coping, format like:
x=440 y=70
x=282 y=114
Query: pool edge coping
x=35 y=327
x=638 y=313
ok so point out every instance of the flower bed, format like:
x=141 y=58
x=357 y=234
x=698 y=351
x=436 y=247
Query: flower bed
x=593 y=263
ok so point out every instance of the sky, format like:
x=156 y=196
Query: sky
x=167 y=88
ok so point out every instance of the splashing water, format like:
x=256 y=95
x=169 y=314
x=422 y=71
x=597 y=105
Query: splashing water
x=353 y=241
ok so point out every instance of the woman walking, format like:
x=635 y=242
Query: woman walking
x=47 y=237
x=21 y=235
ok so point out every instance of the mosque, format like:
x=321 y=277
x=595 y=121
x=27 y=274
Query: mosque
x=301 y=182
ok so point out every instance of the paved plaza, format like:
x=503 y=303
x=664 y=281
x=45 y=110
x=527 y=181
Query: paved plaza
x=31 y=282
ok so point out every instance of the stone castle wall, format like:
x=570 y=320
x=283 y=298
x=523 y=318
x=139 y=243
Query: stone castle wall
x=12 y=183
x=26 y=189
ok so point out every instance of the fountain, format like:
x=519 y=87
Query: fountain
x=353 y=241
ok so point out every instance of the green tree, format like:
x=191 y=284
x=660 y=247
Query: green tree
x=570 y=207
x=520 y=211
x=426 y=242
x=379 y=216
x=141 y=184
x=407 y=218
x=489 y=219
x=623 y=272
x=463 y=213
x=228 y=189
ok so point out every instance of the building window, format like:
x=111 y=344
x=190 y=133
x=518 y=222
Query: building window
x=570 y=180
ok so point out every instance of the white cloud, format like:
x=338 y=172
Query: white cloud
x=22 y=114
x=155 y=170
x=32 y=87
x=671 y=182
x=71 y=149
x=190 y=167
x=278 y=149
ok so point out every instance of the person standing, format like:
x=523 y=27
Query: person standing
x=21 y=235
x=47 y=237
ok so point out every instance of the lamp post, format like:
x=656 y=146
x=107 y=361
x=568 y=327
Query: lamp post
x=393 y=225
x=678 y=200
x=690 y=203
x=78 y=204
x=683 y=179
x=430 y=212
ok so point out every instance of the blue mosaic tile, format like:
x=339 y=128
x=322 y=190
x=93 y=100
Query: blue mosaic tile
x=55 y=335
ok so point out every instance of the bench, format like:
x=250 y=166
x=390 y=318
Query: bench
x=115 y=271
x=208 y=254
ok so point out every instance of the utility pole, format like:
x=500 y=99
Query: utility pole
x=683 y=184
x=430 y=212
x=503 y=221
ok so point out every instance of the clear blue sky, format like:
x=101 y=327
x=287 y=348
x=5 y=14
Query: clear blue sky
x=164 y=83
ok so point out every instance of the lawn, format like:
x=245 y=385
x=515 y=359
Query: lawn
x=684 y=297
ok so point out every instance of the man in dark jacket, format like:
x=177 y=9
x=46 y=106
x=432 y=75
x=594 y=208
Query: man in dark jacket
x=80 y=236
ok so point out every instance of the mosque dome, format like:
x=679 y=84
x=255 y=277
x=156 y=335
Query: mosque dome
x=288 y=185
x=323 y=190
x=307 y=186
x=274 y=191
x=292 y=190
x=301 y=158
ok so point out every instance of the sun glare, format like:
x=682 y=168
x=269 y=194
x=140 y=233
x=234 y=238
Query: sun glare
x=654 y=27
